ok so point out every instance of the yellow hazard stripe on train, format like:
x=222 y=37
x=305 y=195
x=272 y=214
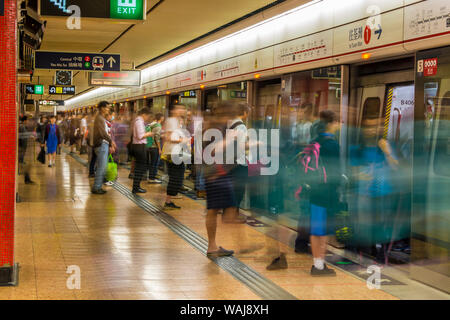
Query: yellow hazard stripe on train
x=388 y=112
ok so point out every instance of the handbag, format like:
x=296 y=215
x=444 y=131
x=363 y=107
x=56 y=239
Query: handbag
x=111 y=169
x=41 y=156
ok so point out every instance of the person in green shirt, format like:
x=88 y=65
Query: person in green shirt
x=154 y=147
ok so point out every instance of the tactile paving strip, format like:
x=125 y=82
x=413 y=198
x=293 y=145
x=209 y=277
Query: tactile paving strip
x=260 y=285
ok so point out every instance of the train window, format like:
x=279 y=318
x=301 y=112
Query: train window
x=442 y=149
x=266 y=101
x=371 y=108
x=291 y=104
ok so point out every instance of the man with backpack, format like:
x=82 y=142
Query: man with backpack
x=154 y=147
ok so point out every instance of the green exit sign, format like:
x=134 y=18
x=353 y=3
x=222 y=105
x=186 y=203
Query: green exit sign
x=127 y=9
x=39 y=89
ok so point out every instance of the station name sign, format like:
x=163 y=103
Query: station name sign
x=69 y=90
x=131 y=78
x=104 y=9
x=76 y=61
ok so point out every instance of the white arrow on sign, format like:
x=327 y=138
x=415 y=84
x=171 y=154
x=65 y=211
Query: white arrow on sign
x=111 y=61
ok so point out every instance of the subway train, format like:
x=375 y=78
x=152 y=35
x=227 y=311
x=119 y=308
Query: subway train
x=384 y=69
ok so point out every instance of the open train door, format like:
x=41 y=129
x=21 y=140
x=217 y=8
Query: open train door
x=382 y=101
x=431 y=180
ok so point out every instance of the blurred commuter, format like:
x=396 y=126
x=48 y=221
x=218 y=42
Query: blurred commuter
x=66 y=127
x=304 y=133
x=102 y=143
x=40 y=137
x=24 y=134
x=304 y=123
x=220 y=195
x=139 y=148
x=174 y=135
x=120 y=131
x=40 y=130
x=59 y=123
x=324 y=198
x=239 y=173
x=199 y=185
x=74 y=129
x=52 y=140
x=83 y=134
x=92 y=157
x=154 y=147
x=109 y=125
x=375 y=165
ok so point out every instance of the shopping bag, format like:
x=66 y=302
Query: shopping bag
x=41 y=156
x=111 y=170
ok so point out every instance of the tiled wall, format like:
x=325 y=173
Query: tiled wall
x=8 y=131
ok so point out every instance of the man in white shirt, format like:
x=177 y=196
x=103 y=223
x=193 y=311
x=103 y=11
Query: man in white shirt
x=240 y=172
x=175 y=137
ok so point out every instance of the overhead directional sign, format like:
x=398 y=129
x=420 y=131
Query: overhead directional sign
x=76 y=61
x=131 y=78
x=69 y=90
x=105 y=9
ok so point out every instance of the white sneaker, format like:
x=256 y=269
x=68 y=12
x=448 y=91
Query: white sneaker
x=109 y=183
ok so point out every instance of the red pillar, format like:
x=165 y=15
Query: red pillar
x=8 y=138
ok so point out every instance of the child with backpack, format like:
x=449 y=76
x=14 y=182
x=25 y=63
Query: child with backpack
x=320 y=167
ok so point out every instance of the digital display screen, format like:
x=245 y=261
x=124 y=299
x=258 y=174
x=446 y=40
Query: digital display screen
x=106 y=9
x=121 y=79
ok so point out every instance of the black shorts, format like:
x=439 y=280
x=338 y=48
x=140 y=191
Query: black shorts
x=220 y=193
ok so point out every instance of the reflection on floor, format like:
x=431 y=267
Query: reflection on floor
x=125 y=253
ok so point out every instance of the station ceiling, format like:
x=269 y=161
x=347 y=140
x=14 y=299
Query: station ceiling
x=170 y=23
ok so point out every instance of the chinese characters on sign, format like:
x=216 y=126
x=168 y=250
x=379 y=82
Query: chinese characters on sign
x=355 y=34
x=77 y=61
x=61 y=90
x=430 y=67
